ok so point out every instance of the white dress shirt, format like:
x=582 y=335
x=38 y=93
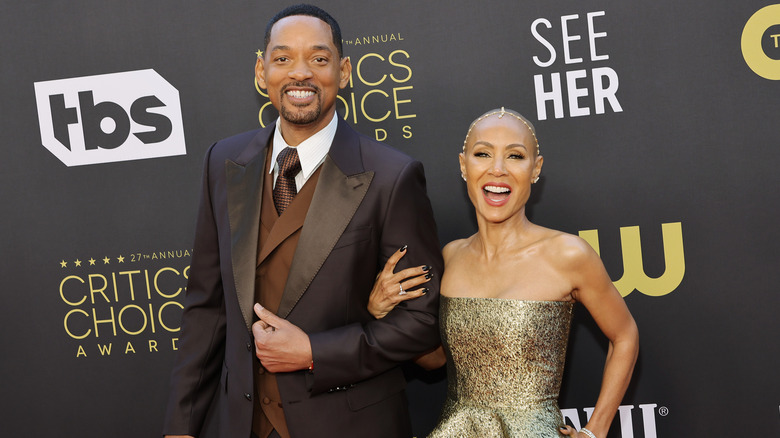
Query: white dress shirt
x=312 y=151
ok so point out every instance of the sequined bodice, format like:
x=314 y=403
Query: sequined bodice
x=504 y=366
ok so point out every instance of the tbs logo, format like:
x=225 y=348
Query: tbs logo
x=109 y=118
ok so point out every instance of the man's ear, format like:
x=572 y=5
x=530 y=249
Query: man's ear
x=260 y=72
x=345 y=72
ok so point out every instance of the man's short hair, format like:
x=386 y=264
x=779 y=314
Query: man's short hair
x=311 y=11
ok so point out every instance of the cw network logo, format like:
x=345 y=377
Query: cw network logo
x=649 y=413
x=109 y=118
x=634 y=276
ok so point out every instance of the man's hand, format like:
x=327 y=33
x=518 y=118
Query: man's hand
x=280 y=345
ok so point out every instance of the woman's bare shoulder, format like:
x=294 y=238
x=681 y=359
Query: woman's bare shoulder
x=453 y=248
x=570 y=250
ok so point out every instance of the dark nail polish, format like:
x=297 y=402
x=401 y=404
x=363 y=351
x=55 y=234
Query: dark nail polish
x=426 y=268
x=403 y=248
x=425 y=291
x=428 y=275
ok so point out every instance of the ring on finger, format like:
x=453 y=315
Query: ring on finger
x=402 y=291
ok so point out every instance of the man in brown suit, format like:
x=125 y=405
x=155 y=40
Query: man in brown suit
x=300 y=217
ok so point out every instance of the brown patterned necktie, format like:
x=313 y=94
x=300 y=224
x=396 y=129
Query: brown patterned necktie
x=285 y=190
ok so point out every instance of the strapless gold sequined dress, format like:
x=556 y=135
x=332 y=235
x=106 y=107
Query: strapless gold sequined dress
x=504 y=367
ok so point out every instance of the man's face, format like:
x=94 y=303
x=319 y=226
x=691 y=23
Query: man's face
x=302 y=71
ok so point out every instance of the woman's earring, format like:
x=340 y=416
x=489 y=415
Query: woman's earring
x=535 y=180
x=463 y=176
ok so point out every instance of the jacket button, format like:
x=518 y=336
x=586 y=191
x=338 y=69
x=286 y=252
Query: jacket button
x=260 y=370
x=248 y=396
x=248 y=346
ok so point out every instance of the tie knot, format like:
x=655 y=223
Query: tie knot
x=289 y=163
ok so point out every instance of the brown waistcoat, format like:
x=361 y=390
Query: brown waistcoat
x=278 y=238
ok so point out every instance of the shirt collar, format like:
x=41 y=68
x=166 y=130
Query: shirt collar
x=311 y=151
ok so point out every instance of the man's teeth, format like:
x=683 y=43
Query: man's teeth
x=495 y=189
x=298 y=94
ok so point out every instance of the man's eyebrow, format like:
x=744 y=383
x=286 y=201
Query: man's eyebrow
x=322 y=47
x=315 y=47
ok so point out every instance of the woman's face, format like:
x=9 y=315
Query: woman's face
x=499 y=164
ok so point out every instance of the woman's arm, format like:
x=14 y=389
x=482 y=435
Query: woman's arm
x=433 y=360
x=594 y=289
x=386 y=294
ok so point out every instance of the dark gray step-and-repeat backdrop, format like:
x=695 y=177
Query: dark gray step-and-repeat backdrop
x=658 y=122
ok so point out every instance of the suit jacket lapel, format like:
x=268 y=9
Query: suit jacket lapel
x=291 y=220
x=341 y=188
x=244 y=179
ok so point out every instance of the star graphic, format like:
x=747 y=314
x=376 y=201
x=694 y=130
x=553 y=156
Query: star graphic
x=91 y=261
x=63 y=263
x=106 y=260
x=259 y=53
x=121 y=259
x=77 y=262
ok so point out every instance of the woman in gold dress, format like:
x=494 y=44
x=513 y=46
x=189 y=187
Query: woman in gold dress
x=507 y=295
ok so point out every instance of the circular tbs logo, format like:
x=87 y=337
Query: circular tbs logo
x=761 y=42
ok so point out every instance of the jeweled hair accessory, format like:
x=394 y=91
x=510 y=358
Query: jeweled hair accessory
x=501 y=114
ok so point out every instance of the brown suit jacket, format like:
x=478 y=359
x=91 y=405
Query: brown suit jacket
x=369 y=201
